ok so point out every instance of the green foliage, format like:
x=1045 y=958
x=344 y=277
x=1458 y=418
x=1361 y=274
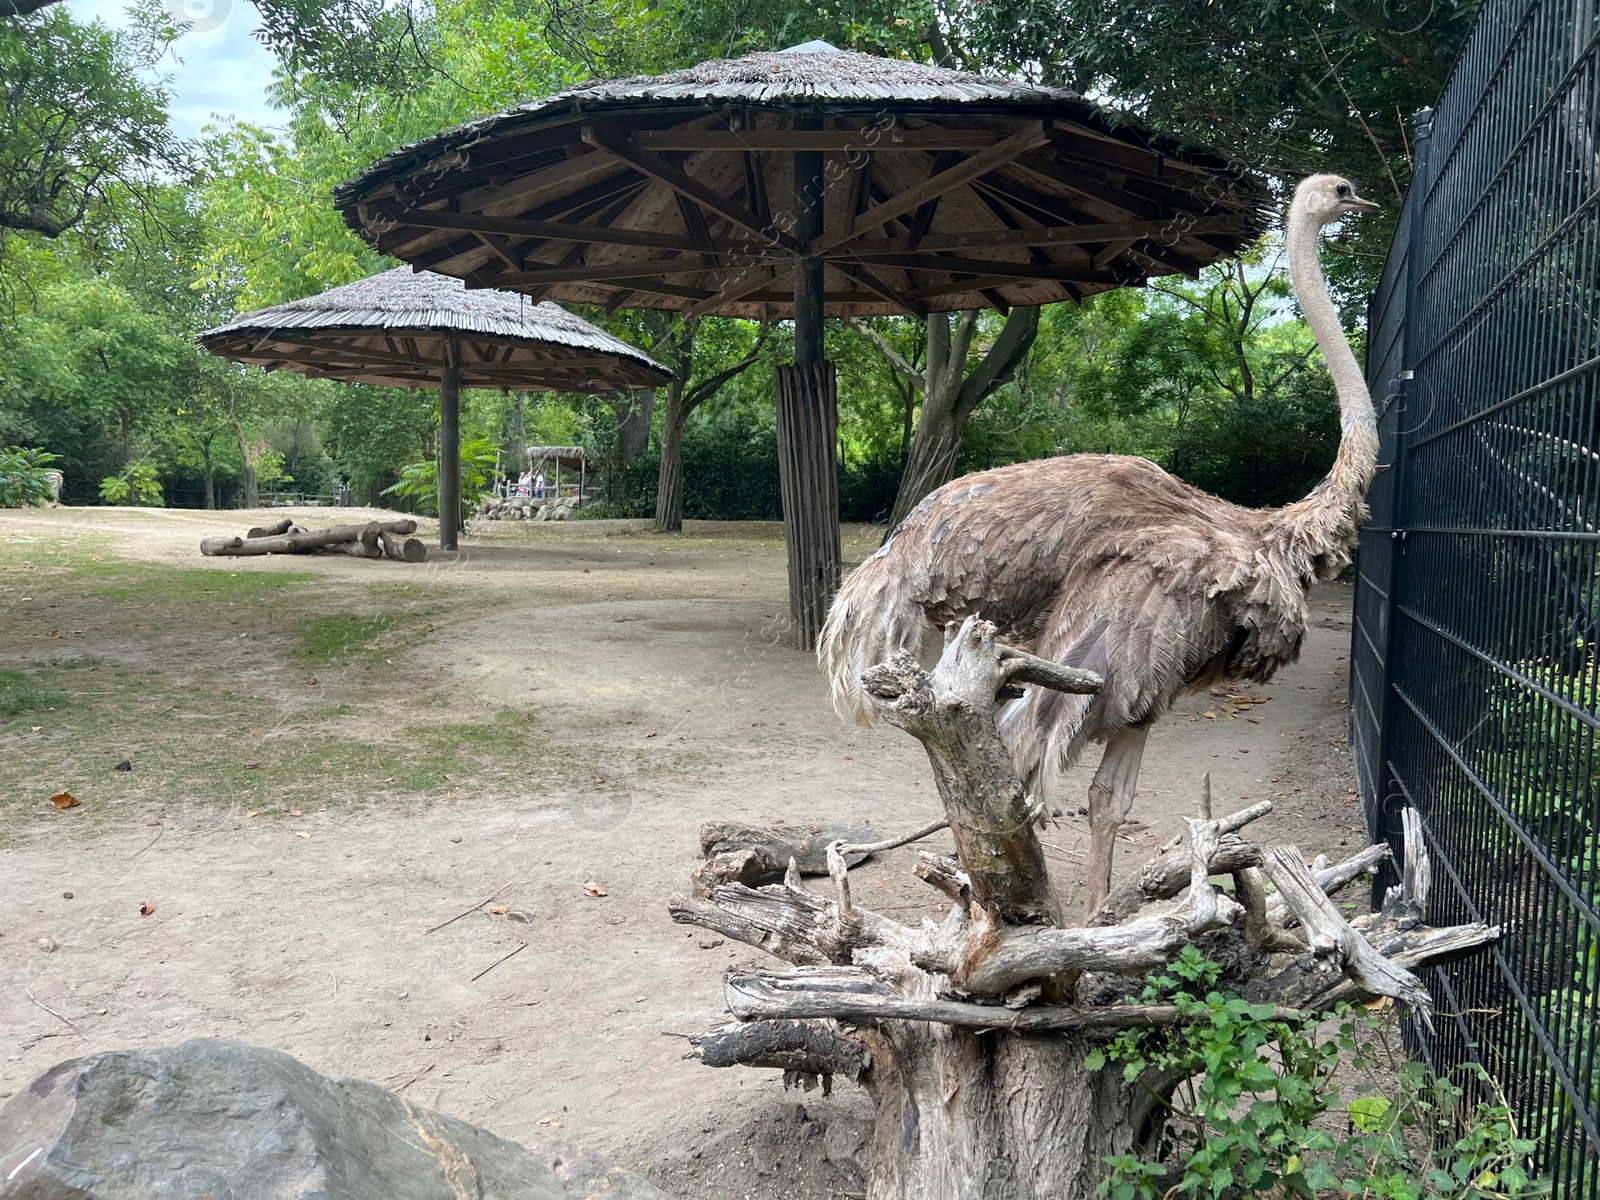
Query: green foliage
x=24 y=476
x=85 y=127
x=1260 y=1108
x=139 y=484
x=419 y=482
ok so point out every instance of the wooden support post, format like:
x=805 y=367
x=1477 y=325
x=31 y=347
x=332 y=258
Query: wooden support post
x=808 y=422
x=449 y=452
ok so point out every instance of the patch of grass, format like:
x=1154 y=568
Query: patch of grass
x=20 y=694
x=151 y=583
x=336 y=636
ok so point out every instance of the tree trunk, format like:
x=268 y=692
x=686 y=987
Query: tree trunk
x=127 y=435
x=211 y=477
x=669 y=479
x=634 y=414
x=1027 y=1120
x=950 y=396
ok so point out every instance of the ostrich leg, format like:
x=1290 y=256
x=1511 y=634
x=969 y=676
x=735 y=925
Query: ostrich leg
x=1110 y=799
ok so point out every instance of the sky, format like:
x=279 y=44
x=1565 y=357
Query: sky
x=223 y=69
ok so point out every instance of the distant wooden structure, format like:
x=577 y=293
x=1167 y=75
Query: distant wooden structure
x=801 y=183
x=405 y=328
x=575 y=458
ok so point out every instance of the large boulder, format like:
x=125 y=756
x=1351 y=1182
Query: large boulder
x=211 y=1119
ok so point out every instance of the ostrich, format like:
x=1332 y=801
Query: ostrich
x=1109 y=563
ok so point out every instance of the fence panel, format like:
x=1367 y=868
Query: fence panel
x=1476 y=659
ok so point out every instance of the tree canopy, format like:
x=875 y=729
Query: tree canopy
x=119 y=241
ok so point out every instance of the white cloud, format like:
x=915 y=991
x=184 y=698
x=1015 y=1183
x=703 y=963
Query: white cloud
x=222 y=69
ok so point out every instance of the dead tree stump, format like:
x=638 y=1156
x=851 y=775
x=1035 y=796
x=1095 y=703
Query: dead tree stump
x=971 y=1034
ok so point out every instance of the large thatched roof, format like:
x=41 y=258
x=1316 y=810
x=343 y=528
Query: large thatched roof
x=393 y=328
x=946 y=190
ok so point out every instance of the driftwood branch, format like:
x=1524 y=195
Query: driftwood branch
x=1167 y=874
x=789 y=995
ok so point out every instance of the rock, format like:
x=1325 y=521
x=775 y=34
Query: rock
x=210 y=1118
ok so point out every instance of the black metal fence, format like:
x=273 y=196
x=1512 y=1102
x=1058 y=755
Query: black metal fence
x=1476 y=660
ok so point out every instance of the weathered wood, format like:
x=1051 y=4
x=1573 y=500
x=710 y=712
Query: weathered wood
x=296 y=543
x=952 y=714
x=827 y=993
x=806 y=844
x=449 y=475
x=411 y=550
x=273 y=530
x=364 y=545
x=802 y=1050
x=975 y=1056
x=1331 y=879
x=808 y=475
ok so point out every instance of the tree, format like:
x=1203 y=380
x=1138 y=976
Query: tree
x=1289 y=89
x=82 y=124
x=679 y=352
x=951 y=392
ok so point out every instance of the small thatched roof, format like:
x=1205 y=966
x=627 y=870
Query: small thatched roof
x=946 y=190
x=393 y=328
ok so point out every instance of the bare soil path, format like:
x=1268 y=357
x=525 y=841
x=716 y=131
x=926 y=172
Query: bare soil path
x=332 y=758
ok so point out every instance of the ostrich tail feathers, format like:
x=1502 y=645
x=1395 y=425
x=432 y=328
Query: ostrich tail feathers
x=875 y=613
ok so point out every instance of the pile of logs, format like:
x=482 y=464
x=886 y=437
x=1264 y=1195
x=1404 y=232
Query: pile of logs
x=375 y=539
x=978 y=1035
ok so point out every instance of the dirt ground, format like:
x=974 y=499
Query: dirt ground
x=332 y=758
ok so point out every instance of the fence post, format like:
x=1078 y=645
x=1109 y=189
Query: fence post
x=1389 y=795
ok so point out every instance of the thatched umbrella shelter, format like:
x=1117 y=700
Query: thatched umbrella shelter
x=405 y=328
x=801 y=183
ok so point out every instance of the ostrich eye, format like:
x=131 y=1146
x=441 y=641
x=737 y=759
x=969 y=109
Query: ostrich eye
x=1342 y=190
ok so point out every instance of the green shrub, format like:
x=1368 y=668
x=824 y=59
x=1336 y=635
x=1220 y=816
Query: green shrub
x=419 y=482
x=24 y=476
x=1259 y=1112
x=139 y=484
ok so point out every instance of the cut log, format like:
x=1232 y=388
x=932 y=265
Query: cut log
x=411 y=550
x=277 y=527
x=366 y=545
x=297 y=543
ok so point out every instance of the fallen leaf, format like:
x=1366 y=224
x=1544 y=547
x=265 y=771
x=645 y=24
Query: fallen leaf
x=547 y=1121
x=301 y=833
x=849 y=758
x=652 y=733
x=295 y=812
x=55 y=633
x=146 y=908
x=1209 y=715
x=586 y=570
x=593 y=889
x=599 y=778
x=1378 y=1004
x=757 y=724
x=250 y=813
x=65 y=800
x=311 y=679
x=500 y=910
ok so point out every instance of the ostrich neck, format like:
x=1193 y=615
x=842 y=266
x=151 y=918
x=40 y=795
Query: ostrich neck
x=1337 y=504
x=1311 y=290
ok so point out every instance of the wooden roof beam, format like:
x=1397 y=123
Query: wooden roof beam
x=664 y=172
x=941 y=182
x=1053 y=235
x=550 y=231
x=861 y=274
x=989 y=268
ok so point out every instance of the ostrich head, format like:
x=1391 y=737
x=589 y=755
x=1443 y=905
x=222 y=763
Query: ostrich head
x=1328 y=198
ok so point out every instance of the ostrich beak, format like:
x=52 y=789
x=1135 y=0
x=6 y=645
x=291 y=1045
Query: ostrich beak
x=1358 y=205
